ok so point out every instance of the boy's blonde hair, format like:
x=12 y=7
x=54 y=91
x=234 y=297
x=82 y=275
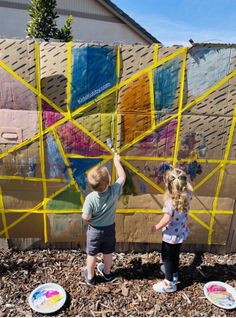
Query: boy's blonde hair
x=99 y=178
x=177 y=188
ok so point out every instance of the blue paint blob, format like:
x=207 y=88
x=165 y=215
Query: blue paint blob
x=93 y=72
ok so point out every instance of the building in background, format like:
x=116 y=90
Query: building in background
x=94 y=20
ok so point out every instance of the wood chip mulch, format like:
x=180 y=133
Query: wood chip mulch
x=130 y=293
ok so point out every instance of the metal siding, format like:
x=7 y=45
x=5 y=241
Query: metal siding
x=88 y=6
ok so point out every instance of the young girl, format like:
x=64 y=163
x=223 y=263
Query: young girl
x=174 y=226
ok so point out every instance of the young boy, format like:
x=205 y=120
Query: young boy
x=99 y=211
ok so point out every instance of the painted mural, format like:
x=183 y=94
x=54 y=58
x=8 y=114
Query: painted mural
x=60 y=103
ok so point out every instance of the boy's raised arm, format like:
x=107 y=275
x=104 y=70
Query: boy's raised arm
x=119 y=169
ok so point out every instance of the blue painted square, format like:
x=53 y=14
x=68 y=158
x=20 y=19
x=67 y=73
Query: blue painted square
x=166 y=79
x=93 y=72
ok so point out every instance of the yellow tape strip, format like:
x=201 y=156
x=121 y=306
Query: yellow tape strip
x=155 y=55
x=146 y=133
x=146 y=158
x=89 y=134
x=151 y=67
x=199 y=221
x=152 y=99
x=41 y=143
x=75 y=156
x=154 y=185
x=4 y=221
x=221 y=177
x=209 y=91
x=180 y=104
x=207 y=177
x=69 y=77
x=29 y=86
x=30 y=179
x=33 y=209
x=115 y=132
x=60 y=147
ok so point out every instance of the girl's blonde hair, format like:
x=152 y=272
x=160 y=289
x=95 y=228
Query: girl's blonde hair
x=177 y=189
x=99 y=178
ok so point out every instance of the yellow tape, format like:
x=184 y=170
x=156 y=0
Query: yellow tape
x=154 y=185
x=180 y=104
x=146 y=133
x=75 y=156
x=207 y=177
x=41 y=144
x=221 y=177
x=151 y=67
x=94 y=138
x=4 y=221
x=199 y=221
x=209 y=91
x=60 y=147
x=33 y=209
x=30 y=179
x=29 y=86
x=152 y=99
x=115 y=132
x=69 y=77
x=155 y=54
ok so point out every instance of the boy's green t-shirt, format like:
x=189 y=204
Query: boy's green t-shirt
x=102 y=206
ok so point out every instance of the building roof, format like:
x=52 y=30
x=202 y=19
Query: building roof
x=128 y=20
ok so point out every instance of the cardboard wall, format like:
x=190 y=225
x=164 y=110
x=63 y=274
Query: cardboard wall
x=59 y=102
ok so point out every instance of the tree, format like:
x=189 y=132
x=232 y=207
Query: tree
x=43 y=24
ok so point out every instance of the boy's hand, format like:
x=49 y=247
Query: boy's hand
x=154 y=229
x=116 y=158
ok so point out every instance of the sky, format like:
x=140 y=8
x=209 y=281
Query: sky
x=176 y=21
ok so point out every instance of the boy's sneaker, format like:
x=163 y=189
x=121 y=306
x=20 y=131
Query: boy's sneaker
x=89 y=282
x=107 y=277
x=175 y=275
x=165 y=287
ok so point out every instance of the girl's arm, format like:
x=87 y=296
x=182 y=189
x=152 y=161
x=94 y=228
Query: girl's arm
x=163 y=222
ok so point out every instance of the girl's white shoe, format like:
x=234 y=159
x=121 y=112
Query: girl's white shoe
x=165 y=286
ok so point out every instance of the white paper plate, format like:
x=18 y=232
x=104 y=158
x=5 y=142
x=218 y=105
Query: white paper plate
x=220 y=294
x=47 y=298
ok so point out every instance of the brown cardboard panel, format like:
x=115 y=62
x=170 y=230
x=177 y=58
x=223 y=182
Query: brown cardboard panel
x=220 y=102
x=31 y=226
x=232 y=152
x=142 y=201
x=135 y=58
x=221 y=228
x=53 y=63
x=228 y=183
x=166 y=86
x=225 y=204
x=159 y=143
x=209 y=187
x=53 y=187
x=24 y=162
x=120 y=227
x=66 y=227
x=1 y=225
x=19 y=194
x=164 y=51
x=14 y=94
x=198 y=234
x=99 y=119
x=198 y=132
x=151 y=169
x=133 y=232
x=19 y=55
x=206 y=67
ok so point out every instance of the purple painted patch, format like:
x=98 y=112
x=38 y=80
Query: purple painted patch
x=50 y=115
x=75 y=141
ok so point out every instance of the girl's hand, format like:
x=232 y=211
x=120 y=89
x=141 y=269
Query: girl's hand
x=154 y=229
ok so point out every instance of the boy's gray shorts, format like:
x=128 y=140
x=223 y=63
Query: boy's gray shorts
x=101 y=239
